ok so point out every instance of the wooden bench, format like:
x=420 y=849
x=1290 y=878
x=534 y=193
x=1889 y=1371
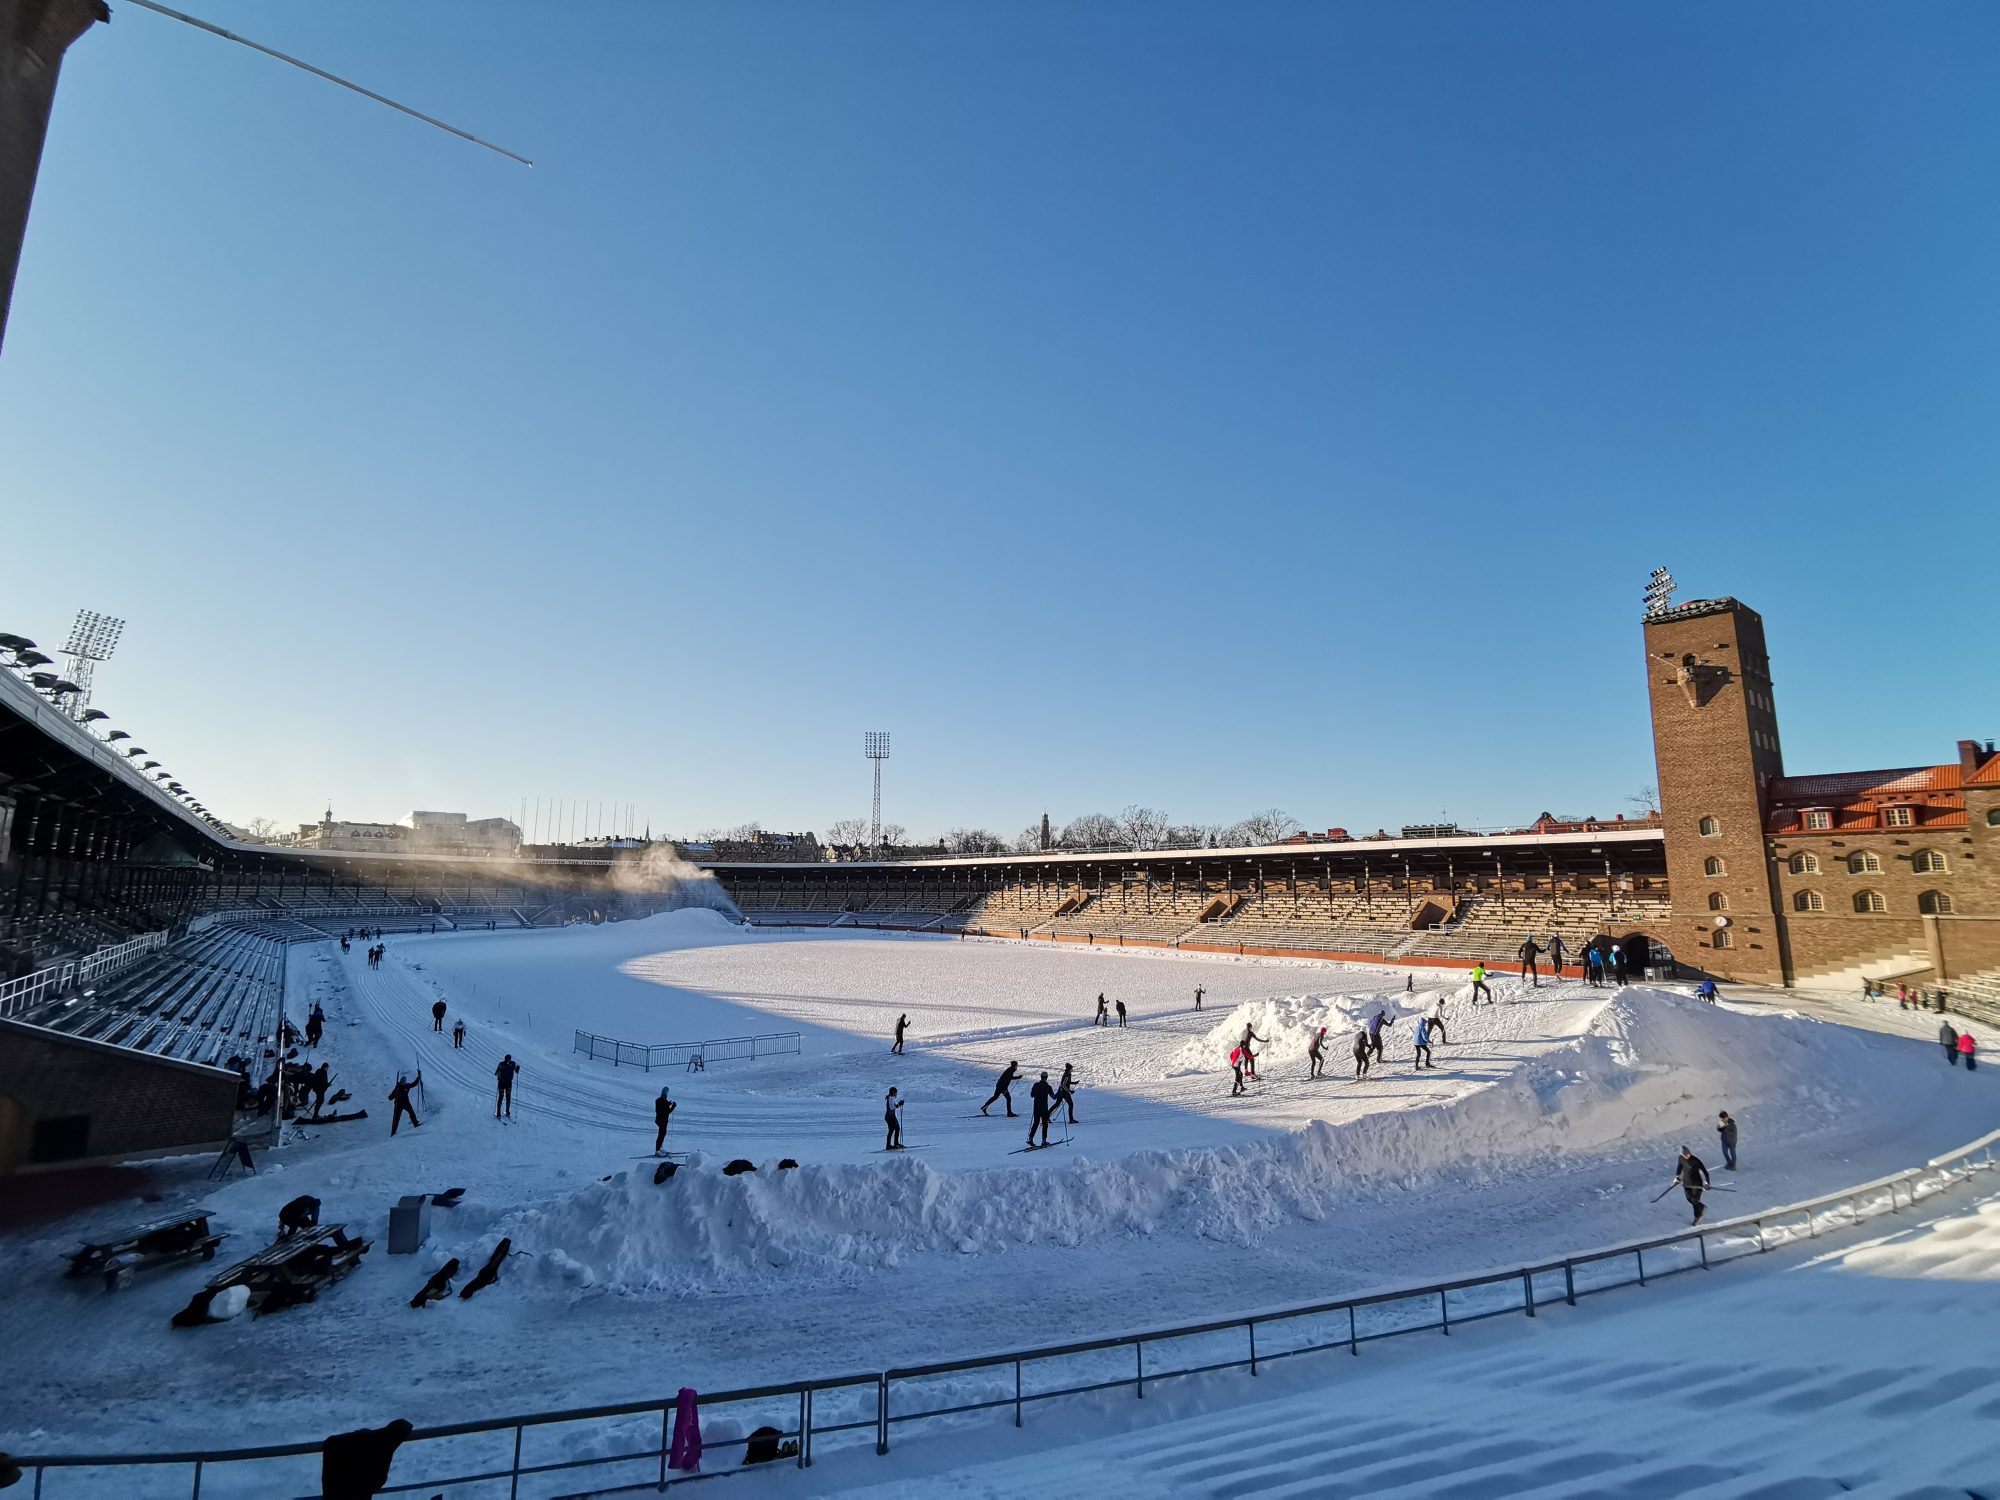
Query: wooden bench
x=160 y=1243
x=294 y=1270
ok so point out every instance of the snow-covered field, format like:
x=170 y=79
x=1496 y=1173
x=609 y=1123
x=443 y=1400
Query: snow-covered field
x=1550 y=1122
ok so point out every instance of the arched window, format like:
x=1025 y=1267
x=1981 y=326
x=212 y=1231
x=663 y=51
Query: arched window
x=1864 y=862
x=1720 y=940
x=1934 y=904
x=1711 y=866
x=1717 y=901
x=1710 y=828
x=1928 y=862
x=1805 y=864
x=1808 y=901
x=1993 y=817
x=1869 y=902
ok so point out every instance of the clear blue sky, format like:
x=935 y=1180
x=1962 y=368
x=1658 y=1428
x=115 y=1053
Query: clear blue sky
x=1209 y=406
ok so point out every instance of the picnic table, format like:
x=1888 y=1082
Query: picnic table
x=160 y=1243
x=293 y=1270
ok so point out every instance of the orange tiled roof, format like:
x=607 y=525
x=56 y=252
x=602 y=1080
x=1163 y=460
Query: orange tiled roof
x=1848 y=785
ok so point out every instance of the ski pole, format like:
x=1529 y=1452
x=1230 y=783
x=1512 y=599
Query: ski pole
x=1669 y=1188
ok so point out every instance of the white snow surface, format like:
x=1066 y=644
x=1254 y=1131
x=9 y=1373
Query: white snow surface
x=1549 y=1123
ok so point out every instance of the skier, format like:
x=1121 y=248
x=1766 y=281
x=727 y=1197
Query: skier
x=315 y=1025
x=1003 y=1090
x=437 y=1017
x=1423 y=1053
x=457 y=1035
x=1436 y=1018
x=892 y=1116
x=1410 y=984
x=400 y=1097
x=1103 y=1018
x=1375 y=1024
x=901 y=1022
x=1555 y=951
x=1236 y=1062
x=1969 y=1050
x=1039 y=1097
x=1121 y=1012
x=1593 y=966
x=1314 y=1062
x=1705 y=991
x=1618 y=962
x=1948 y=1039
x=1360 y=1055
x=1726 y=1129
x=1693 y=1178
x=663 y=1111
x=1066 y=1092
x=319 y=1081
x=1529 y=951
x=1198 y=993
x=1479 y=984
x=1249 y=1057
x=504 y=1100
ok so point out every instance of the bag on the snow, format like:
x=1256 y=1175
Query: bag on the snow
x=738 y=1167
x=663 y=1171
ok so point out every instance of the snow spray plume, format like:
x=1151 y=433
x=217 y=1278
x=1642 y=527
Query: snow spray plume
x=661 y=872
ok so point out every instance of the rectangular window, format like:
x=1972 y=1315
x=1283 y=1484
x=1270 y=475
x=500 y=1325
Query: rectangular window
x=1819 y=820
x=1899 y=817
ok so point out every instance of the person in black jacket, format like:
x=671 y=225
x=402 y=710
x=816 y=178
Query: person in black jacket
x=1692 y=1174
x=1249 y=1057
x=1361 y=1054
x=663 y=1111
x=1041 y=1096
x=1003 y=1090
x=437 y=1016
x=901 y=1022
x=1528 y=952
x=400 y=1097
x=355 y=1465
x=1315 y=1063
x=504 y=1077
x=892 y=1116
x=1066 y=1092
x=1103 y=1013
x=1726 y=1128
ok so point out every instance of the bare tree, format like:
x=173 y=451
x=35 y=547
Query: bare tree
x=1184 y=836
x=1646 y=799
x=847 y=832
x=1091 y=831
x=1142 y=827
x=1029 y=840
x=894 y=835
x=1266 y=827
x=262 y=830
x=973 y=841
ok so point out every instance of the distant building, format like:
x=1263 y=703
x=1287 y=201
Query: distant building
x=419 y=833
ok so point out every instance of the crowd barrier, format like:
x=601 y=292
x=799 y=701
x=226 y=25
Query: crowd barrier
x=686 y=1054
x=19 y=996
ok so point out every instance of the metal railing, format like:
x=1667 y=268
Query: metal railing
x=22 y=995
x=686 y=1054
x=629 y=1444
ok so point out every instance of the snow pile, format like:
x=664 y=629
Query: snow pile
x=1287 y=1025
x=1650 y=1072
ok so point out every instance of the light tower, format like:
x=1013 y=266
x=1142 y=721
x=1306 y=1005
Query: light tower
x=92 y=639
x=1659 y=593
x=875 y=745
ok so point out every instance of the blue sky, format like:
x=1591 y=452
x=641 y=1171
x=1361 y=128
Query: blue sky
x=1213 y=407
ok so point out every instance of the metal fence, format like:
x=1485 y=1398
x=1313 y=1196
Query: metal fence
x=24 y=994
x=626 y=1446
x=686 y=1054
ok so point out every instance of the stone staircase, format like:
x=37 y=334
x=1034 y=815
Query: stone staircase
x=1890 y=967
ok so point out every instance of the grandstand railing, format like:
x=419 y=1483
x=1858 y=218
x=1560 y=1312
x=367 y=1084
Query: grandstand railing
x=483 y=1455
x=682 y=1054
x=24 y=994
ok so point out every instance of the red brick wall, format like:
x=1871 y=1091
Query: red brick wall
x=135 y=1103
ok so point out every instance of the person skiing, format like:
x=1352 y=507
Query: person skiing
x=1198 y=993
x=319 y=1081
x=1375 y=1024
x=437 y=1017
x=1593 y=966
x=892 y=1116
x=1040 y=1097
x=1948 y=1039
x=1410 y=984
x=457 y=1035
x=663 y=1111
x=1692 y=1176
x=1479 y=984
x=1618 y=963
x=400 y=1097
x=1249 y=1057
x=1436 y=1018
x=1103 y=1015
x=1121 y=1012
x=1360 y=1054
x=1725 y=1128
x=1314 y=1062
x=901 y=1022
x=1236 y=1062
x=1705 y=991
x=1066 y=1092
x=1422 y=1056
x=1555 y=952
x=315 y=1025
x=1969 y=1050
x=504 y=1074
x=1004 y=1090
x=1528 y=952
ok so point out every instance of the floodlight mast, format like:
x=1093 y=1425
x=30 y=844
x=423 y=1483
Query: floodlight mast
x=875 y=745
x=92 y=639
x=1659 y=593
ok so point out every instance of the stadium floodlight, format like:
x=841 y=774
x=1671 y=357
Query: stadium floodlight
x=92 y=639
x=875 y=745
x=1659 y=593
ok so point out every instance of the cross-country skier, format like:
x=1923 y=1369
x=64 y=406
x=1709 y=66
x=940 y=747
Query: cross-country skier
x=457 y=1035
x=1066 y=1092
x=1360 y=1055
x=1314 y=1062
x=1410 y=984
x=1705 y=991
x=1436 y=1018
x=1692 y=1175
x=1725 y=1128
x=1103 y=1016
x=1375 y=1024
x=1555 y=951
x=1249 y=1057
x=1040 y=1096
x=1236 y=1063
x=1198 y=993
x=1479 y=984
x=437 y=1017
x=901 y=1022
x=400 y=1097
x=504 y=1076
x=1121 y=1012
x=1948 y=1039
x=1593 y=966
x=1423 y=1053
x=892 y=1116
x=1528 y=952
x=663 y=1111
x=1003 y=1090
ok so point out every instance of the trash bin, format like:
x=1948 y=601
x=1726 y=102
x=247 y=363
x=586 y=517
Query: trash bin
x=409 y=1224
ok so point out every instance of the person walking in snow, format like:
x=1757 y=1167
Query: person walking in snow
x=1066 y=1092
x=437 y=1017
x=1422 y=1057
x=663 y=1111
x=892 y=1116
x=1103 y=1016
x=1969 y=1050
x=1948 y=1039
x=1618 y=963
x=457 y=1035
x=1121 y=1012
x=1375 y=1024
x=1528 y=952
x=1004 y=1090
x=1249 y=1057
x=1479 y=984
x=503 y=1101
x=1314 y=1062
x=901 y=1022
x=1198 y=993
x=400 y=1097
x=1236 y=1063
x=1040 y=1098
x=1692 y=1175
x=1593 y=966
x=1725 y=1128
x=1360 y=1055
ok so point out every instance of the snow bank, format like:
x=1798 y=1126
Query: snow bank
x=1287 y=1025
x=1650 y=1072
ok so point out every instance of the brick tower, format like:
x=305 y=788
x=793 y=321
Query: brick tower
x=1715 y=741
